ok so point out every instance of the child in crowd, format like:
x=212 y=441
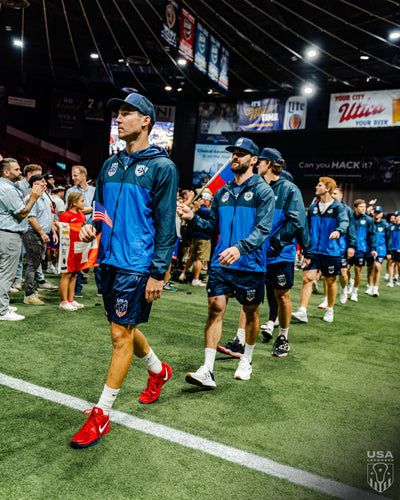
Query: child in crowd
x=73 y=214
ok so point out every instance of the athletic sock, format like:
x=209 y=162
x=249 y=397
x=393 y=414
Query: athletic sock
x=248 y=351
x=241 y=335
x=151 y=362
x=107 y=399
x=355 y=291
x=209 y=358
x=303 y=309
x=284 y=332
x=329 y=309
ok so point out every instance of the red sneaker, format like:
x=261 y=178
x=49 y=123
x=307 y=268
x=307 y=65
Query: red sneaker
x=154 y=384
x=91 y=431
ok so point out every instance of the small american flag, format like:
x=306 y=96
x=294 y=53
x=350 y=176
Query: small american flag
x=100 y=213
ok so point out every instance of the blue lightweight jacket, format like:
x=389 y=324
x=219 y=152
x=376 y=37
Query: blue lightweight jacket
x=321 y=225
x=366 y=239
x=348 y=240
x=383 y=237
x=289 y=220
x=395 y=232
x=244 y=221
x=141 y=201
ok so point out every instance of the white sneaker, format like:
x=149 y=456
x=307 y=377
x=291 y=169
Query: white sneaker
x=198 y=283
x=182 y=278
x=315 y=287
x=12 y=316
x=324 y=303
x=268 y=327
x=386 y=277
x=369 y=290
x=301 y=316
x=390 y=284
x=33 y=300
x=375 y=292
x=350 y=286
x=343 y=295
x=244 y=369
x=203 y=377
x=354 y=297
x=77 y=304
x=67 y=306
x=398 y=282
x=47 y=286
x=276 y=322
x=328 y=316
x=12 y=309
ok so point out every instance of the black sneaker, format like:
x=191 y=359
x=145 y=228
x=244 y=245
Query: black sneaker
x=232 y=348
x=281 y=347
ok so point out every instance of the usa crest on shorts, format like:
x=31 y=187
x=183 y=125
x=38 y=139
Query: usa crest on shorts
x=281 y=280
x=331 y=269
x=250 y=294
x=121 y=307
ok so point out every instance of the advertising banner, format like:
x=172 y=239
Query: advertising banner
x=365 y=109
x=261 y=115
x=169 y=29
x=223 y=69
x=209 y=157
x=67 y=114
x=200 y=54
x=295 y=113
x=213 y=59
x=186 y=40
x=216 y=118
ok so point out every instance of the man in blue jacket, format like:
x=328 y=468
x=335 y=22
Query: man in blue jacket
x=137 y=188
x=241 y=214
x=327 y=222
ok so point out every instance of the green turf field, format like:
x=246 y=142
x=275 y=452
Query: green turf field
x=321 y=409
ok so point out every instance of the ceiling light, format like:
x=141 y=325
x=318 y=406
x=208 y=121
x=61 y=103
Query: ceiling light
x=181 y=61
x=179 y=89
x=94 y=55
x=210 y=91
x=394 y=35
x=18 y=43
x=364 y=58
x=308 y=89
x=311 y=53
x=249 y=90
x=121 y=60
x=168 y=88
x=8 y=28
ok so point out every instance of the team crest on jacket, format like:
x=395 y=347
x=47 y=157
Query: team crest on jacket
x=380 y=229
x=315 y=210
x=225 y=197
x=281 y=278
x=141 y=169
x=330 y=211
x=113 y=169
x=248 y=196
x=250 y=294
x=362 y=222
x=121 y=307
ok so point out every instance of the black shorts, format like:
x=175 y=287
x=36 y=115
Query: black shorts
x=358 y=259
x=280 y=276
x=248 y=288
x=328 y=265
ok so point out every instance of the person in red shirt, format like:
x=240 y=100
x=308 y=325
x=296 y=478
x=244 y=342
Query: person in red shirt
x=73 y=214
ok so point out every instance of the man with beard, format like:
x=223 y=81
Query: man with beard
x=241 y=214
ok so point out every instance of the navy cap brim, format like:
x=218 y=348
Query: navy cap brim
x=115 y=104
x=231 y=149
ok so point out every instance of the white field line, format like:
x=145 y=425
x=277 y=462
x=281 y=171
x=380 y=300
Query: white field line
x=228 y=453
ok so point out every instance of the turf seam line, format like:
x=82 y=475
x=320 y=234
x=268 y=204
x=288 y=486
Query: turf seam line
x=228 y=453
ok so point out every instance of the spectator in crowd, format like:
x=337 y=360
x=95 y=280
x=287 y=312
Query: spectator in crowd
x=36 y=238
x=242 y=214
x=13 y=224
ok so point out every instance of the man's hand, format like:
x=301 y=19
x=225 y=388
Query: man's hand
x=184 y=212
x=45 y=237
x=306 y=262
x=374 y=253
x=37 y=191
x=55 y=238
x=334 y=236
x=350 y=253
x=229 y=256
x=153 y=289
x=87 y=233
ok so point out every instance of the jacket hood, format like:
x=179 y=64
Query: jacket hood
x=152 y=151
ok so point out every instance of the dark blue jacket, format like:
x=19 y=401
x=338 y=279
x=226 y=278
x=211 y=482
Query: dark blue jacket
x=321 y=225
x=141 y=201
x=348 y=240
x=395 y=231
x=289 y=220
x=365 y=229
x=204 y=213
x=244 y=222
x=383 y=237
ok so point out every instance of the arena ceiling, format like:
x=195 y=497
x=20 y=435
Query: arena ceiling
x=267 y=41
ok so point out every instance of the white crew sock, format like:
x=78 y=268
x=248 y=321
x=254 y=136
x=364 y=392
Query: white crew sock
x=107 y=399
x=209 y=358
x=355 y=291
x=303 y=309
x=284 y=332
x=241 y=335
x=151 y=362
x=329 y=309
x=248 y=351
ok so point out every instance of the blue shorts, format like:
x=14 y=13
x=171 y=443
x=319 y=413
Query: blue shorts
x=175 y=254
x=280 y=276
x=248 y=288
x=370 y=259
x=327 y=264
x=396 y=255
x=344 y=262
x=51 y=244
x=358 y=259
x=124 y=296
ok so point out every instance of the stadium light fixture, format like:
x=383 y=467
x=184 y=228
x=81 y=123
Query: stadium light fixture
x=308 y=89
x=312 y=53
x=168 y=88
x=18 y=43
x=94 y=56
x=364 y=58
x=181 y=61
x=394 y=35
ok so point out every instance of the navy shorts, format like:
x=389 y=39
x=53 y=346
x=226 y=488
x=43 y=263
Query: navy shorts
x=280 y=276
x=328 y=265
x=248 y=288
x=51 y=245
x=396 y=255
x=344 y=262
x=370 y=259
x=124 y=296
x=358 y=259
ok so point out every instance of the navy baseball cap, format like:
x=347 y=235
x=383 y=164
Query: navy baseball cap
x=271 y=154
x=138 y=101
x=35 y=178
x=397 y=213
x=246 y=145
x=378 y=209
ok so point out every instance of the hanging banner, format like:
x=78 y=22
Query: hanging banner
x=260 y=115
x=209 y=157
x=295 y=113
x=365 y=109
x=223 y=69
x=169 y=29
x=213 y=59
x=200 y=54
x=186 y=40
x=67 y=114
